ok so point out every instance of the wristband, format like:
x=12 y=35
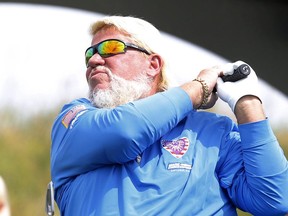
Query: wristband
x=205 y=92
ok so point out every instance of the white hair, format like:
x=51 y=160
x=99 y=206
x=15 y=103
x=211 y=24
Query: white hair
x=121 y=91
x=142 y=32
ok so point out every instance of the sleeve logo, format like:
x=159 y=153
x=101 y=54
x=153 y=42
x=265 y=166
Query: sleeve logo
x=71 y=114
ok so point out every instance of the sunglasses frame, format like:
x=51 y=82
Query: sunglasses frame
x=126 y=46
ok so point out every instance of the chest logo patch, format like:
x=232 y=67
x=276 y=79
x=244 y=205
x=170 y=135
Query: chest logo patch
x=177 y=148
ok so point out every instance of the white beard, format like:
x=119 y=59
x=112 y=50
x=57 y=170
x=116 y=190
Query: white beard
x=121 y=91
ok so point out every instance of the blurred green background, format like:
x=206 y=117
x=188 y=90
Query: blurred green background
x=25 y=151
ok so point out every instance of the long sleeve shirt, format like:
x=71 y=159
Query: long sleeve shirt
x=158 y=156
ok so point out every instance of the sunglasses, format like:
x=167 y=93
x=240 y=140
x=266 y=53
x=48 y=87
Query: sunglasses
x=109 y=48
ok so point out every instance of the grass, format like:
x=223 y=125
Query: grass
x=25 y=147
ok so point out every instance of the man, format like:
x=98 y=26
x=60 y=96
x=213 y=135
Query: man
x=137 y=147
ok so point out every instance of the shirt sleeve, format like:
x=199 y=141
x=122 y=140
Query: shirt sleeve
x=260 y=186
x=96 y=137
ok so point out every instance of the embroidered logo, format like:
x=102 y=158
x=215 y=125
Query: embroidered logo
x=179 y=167
x=71 y=114
x=177 y=148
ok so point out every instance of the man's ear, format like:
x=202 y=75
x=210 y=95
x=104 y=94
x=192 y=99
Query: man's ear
x=156 y=64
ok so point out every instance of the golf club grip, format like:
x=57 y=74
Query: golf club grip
x=239 y=73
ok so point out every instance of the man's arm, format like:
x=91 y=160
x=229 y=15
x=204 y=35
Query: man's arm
x=262 y=188
x=114 y=136
x=249 y=109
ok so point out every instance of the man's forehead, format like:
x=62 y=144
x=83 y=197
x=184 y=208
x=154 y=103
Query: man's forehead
x=110 y=32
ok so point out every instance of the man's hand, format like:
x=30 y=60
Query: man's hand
x=231 y=92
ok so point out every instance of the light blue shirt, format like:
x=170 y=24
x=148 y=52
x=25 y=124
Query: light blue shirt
x=158 y=156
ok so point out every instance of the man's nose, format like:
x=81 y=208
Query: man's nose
x=96 y=59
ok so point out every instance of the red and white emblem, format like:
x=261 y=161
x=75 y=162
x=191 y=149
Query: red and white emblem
x=176 y=147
